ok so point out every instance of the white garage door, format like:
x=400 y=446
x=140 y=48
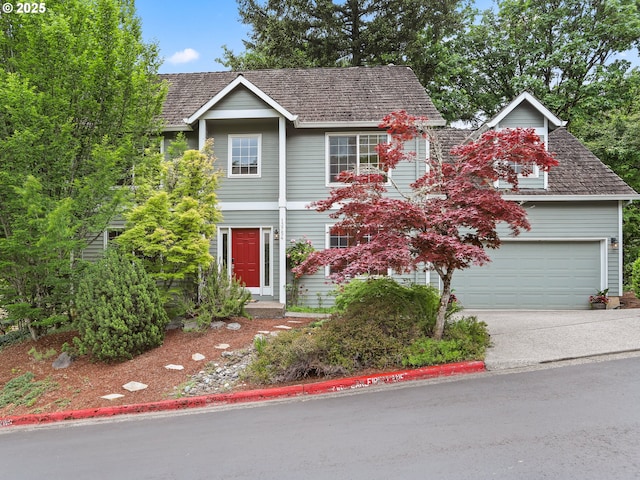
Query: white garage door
x=533 y=275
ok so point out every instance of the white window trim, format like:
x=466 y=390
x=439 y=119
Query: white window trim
x=230 y=173
x=327 y=245
x=105 y=235
x=327 y=150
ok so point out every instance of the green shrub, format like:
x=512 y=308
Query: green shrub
x=381 y=324
x=384 y=300
x=465 y=339
x=635 y=277
x=221 y=296
x=119 y=310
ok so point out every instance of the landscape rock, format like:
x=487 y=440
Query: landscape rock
x=197 y=357
x=63 y=361
x=218 y=378
x=222 y=346
x=234 y=326
x=217 y=325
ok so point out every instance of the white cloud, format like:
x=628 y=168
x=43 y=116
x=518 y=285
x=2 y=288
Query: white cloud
x=185 y=56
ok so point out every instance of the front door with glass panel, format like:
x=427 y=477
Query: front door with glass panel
x=248 y=252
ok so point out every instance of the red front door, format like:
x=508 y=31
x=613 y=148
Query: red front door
x=245 y=251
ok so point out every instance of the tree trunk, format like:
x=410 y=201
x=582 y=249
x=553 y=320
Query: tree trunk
x=442 y=309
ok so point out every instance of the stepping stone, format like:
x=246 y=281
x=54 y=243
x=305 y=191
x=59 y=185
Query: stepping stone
x=197 y=357
x=112 y=396
x=264 y=332
x=234 y=326
x=134 y=386
x=217 y=325
x=222 y=346
x=283 y=327
x=171 y=366
x=294 y=321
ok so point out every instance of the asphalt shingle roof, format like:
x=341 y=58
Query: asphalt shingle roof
x=579 y=172
x=358 y=94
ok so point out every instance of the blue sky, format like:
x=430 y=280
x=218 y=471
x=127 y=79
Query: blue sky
x=191 y=33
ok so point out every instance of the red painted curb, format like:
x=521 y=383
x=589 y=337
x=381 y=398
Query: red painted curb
x=251 y=395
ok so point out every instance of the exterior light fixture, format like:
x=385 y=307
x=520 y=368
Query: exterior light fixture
x=276 y=234
x=614 y=242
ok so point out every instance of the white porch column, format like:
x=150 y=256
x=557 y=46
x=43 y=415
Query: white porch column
x=202 y=133
x=282 y=208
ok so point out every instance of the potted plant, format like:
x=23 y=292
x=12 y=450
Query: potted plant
x=600 y=300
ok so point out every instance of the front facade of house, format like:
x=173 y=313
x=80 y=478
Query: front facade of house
x=281 y=137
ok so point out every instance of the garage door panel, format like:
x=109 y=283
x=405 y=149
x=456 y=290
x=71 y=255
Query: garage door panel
x=535 y=275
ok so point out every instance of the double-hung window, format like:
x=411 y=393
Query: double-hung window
x=353 y=152
x=245 y=152
x=344 y=240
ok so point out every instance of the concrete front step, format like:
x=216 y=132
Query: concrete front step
x=265 y=309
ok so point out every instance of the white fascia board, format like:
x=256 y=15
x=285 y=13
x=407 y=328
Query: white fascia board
x=241 y=80
x=569 y=198
x=177 y=128
x=533 y=101
x=354 y=124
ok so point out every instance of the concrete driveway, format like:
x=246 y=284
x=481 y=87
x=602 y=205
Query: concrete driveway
x=523 y=338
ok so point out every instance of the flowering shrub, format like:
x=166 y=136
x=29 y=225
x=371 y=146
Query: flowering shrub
x=600 y=297
x=298 y=251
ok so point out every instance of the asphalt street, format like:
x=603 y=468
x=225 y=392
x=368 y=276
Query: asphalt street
x=573 y=421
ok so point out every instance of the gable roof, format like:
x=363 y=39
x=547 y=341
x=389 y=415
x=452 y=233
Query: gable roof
x=313 y=97
x=533 y=101
x=579 y=173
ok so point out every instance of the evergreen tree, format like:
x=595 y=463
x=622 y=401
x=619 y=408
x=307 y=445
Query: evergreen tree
x=120 y=313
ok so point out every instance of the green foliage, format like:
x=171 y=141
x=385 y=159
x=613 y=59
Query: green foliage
x=635 y=277
x=39 y=356
x=171 y=227
x=385 y=299
x=464 y=339
x=79 y=100
x=379 y=326
x=24 y=390
x=297 y=252
x=559 y=51
x=221 y=296
x=120 y=312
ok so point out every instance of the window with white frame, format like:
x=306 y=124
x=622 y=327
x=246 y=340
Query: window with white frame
x=344 y=240
x=245 y=153
x=353 y=152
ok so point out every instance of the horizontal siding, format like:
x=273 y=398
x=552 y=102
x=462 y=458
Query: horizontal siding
x=307 y=165
x=241 y=99
x=264 y=188
x=317 y=288
x=523 y=116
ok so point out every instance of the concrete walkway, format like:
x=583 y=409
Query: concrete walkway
x=524 y=338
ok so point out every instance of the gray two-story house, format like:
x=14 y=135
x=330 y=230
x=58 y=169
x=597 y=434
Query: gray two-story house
x=282 y=136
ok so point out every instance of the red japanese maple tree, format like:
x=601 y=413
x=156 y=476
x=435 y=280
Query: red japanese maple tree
x=445 y=220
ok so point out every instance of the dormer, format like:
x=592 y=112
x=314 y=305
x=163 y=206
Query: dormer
x=527 y=112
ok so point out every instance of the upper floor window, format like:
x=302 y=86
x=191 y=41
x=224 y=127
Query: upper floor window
x=353 y=152
x=245 y=152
